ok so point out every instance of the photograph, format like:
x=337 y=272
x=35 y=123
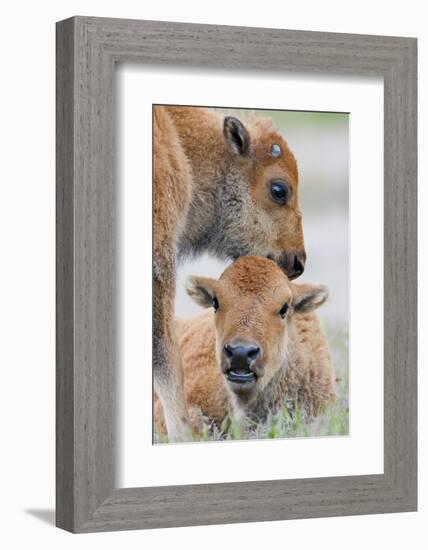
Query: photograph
x=250 y=274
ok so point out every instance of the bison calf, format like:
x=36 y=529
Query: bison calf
x=259 y=346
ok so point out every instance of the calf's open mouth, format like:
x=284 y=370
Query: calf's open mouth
x=240 y=377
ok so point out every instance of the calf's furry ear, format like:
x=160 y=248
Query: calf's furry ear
x=201 y=290
x=307 y=297
x=236 y=136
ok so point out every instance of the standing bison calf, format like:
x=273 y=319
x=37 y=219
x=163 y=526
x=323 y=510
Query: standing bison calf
x=259 y=346
x=222 y=187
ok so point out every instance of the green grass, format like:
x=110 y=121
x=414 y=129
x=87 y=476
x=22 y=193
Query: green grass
x=334 y=421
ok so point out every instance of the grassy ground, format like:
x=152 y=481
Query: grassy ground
x=334 y=421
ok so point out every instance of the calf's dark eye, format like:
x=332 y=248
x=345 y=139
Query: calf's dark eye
x=283 y=311
x=215 y=303
x=279 y=191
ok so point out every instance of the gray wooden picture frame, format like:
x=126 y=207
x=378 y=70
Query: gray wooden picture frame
x=87 y=51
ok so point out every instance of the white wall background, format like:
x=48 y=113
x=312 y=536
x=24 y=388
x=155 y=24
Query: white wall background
x=27 y=272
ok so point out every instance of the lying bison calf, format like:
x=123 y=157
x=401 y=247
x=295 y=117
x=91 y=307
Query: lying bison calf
x=260 y=346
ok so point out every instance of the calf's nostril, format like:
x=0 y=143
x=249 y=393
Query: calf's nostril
x=253 y=352
x=298 y=266
x=228 y=351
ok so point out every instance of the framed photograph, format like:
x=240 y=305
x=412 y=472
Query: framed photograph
x=236 y=274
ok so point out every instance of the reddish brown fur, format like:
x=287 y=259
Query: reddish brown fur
x=258 y=168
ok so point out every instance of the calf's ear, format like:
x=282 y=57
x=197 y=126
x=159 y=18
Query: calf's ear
x=308 y=297
x=236 y=136
x=201 y=290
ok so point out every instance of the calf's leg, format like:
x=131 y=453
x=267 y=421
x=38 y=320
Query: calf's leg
x=171 y=197
x=167 y=368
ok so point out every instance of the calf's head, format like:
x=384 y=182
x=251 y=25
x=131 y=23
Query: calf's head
x=254 y=305
x=260 y=210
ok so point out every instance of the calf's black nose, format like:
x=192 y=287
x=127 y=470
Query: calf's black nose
x=293 y=264
x=241 y=355
x=298 y=268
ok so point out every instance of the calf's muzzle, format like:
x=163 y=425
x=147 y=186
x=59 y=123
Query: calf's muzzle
x=239 y=360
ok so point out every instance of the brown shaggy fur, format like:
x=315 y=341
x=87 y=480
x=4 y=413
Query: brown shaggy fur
x=295 y=363
x=212 y=177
